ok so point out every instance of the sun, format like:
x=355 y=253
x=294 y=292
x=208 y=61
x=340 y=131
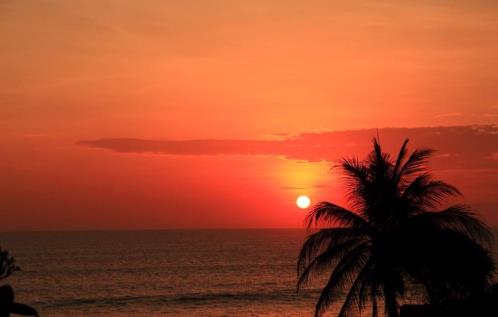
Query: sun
x=303 y=201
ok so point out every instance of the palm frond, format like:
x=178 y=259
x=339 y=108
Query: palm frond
x=325 y=213
x=415 y=163
x=401 y=157
x=427 y=193
x=320 y=241
x=381 y=159
x=355 y=297
x=326 y=260
x=355 y=169
x=358 y=179
x=370 y=285
x=390 y=302
x=373 y=297
x=379 y=163
x=460 y=218
x=342 y=275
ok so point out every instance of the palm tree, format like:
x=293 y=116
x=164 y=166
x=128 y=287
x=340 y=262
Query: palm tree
x=390 y=236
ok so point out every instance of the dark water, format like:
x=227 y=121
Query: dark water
x=148 y=273
x=144 y=273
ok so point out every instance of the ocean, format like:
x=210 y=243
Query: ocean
x=171 y=273
x=153 y=273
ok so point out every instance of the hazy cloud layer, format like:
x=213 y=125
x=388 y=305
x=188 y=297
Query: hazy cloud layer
x=457 y=147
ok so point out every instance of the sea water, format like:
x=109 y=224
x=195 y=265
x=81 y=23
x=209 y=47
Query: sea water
x=146 y=273
x=156 y=273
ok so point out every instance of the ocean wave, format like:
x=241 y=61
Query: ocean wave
x=181 y=299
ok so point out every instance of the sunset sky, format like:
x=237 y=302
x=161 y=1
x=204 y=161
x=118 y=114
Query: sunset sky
x=217 y=114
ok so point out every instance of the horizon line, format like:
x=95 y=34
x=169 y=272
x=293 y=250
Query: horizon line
x=495 y=227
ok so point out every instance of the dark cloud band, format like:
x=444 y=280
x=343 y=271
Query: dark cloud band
x=457 y=147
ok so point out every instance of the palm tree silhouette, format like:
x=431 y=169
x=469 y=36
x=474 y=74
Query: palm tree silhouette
x=394 y=234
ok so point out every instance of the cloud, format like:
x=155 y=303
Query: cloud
x=457 y=146
x=449 y=115
x=490 y=115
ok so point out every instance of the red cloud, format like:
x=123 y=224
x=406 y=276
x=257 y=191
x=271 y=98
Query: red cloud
x=458 y=147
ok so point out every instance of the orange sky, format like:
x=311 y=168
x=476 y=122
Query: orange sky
x=235 y=71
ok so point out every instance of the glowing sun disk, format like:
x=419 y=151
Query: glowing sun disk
x=303 y=201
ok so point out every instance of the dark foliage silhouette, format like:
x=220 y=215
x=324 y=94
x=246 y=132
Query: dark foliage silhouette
x=484 y=305
x=394 y=235
x=7 y=264
x=7 y=304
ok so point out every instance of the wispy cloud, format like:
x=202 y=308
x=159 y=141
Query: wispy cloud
x=450 y=115
x=468 y=146
x=490 y=115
